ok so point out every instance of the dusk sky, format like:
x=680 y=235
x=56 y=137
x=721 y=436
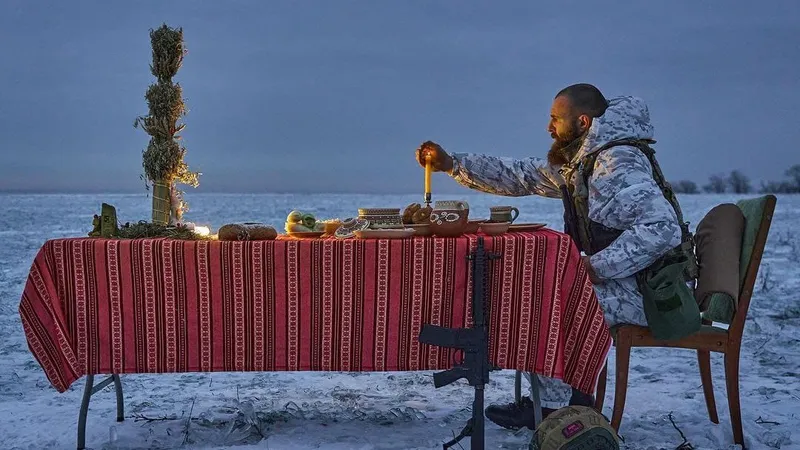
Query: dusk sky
x=335 y=96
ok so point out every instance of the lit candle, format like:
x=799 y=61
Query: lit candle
x=428 y=177
x=202 y=231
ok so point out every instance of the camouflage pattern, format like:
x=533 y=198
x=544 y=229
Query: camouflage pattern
x=622 y=194
x=575 y=427
x=553 y=393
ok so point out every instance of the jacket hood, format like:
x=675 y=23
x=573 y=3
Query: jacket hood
x=625 y=118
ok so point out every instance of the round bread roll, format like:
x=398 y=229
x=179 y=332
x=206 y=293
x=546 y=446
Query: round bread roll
x=408 y=213
x=423 y=215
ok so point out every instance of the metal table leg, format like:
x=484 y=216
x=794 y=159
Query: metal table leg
x=120 y=401
x=87 y=394
x=537 y=402
x=90 y=390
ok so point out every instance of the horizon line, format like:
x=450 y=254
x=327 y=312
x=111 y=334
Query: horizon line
x=148 y=193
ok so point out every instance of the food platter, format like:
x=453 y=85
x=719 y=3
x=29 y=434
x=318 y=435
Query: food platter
x=350 y=226
x=306 y=234
x=420 y=229
x=526 y=226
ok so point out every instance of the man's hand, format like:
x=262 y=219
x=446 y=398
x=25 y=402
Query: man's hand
x=590 y=270
x=440 y=160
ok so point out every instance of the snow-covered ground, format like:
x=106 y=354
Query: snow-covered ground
x=378 y=410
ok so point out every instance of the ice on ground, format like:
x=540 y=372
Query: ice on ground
x=380 y=410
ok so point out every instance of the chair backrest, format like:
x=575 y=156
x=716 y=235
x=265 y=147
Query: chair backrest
x=758 y=218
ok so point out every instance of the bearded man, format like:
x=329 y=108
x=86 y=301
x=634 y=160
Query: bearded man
x=600 y=156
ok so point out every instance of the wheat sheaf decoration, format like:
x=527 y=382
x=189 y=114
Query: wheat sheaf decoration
x=163 y=160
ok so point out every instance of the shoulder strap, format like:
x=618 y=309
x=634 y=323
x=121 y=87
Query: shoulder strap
x=687 y=238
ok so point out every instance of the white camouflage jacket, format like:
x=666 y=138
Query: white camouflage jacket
x=622 y=195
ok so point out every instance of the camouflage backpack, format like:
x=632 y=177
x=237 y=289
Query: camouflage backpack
x=574 y=428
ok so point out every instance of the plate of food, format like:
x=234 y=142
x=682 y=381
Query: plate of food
x=420 y=229
x=306 y=234
x=349 y=226
x=386 y=233
x=526 y=226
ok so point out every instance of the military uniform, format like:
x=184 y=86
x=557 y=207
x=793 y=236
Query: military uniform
x=622 y=195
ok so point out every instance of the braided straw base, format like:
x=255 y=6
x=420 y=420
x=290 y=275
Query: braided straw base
x=161 y=203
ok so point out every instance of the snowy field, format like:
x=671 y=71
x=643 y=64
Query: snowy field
x=379 y=410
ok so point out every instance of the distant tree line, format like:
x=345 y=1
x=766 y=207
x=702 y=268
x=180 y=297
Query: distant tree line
x=738 y=183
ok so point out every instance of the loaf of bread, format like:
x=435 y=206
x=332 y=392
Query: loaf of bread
x=408 y=213
x=416 y=214
x=246 y=232
x=423 y=215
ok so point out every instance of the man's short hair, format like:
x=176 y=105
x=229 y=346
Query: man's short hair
x=586 y=99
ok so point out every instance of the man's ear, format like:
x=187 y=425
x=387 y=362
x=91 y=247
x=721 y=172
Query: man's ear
x=585 y=121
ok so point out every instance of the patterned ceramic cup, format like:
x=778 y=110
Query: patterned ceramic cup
x=449 y=218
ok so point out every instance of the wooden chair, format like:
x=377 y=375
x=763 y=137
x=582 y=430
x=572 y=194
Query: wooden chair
x=758 y=216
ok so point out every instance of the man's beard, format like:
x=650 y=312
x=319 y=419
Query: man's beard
x=564 y=149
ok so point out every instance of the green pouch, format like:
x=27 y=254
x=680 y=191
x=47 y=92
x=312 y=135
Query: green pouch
x=669 y=305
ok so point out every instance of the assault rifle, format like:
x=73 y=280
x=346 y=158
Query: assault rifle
x=474 y=342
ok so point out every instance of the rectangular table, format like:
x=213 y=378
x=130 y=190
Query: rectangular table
x=98 y=306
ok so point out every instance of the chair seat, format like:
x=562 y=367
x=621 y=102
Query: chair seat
x=709 y=338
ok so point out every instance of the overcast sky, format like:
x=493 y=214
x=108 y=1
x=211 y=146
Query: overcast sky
x=336 y=95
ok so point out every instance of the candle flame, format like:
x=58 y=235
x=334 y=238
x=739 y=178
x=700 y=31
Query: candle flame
x=202 y=231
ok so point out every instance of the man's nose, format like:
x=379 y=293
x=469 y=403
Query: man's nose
x=550 y=127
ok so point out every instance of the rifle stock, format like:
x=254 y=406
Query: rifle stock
x=449 y=376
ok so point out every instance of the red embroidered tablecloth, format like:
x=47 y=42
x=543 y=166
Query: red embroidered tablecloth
x=97 y=306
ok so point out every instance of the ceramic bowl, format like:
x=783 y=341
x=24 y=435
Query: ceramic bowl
x=448 y=222
x=494 y=228
x=332 y=225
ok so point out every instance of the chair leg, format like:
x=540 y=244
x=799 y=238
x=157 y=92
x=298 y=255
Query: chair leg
x=600 y=395
x=704 y=362
x=621 y=383
x=732 y=383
